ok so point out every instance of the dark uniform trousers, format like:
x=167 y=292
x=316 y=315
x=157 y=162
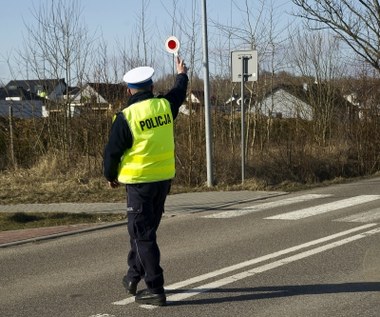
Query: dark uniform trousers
x=145 y=206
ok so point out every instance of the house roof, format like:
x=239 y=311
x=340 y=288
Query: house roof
x=73 y=90
x=34 y=86
x=110 y=92
x=198 y=96
x=17 y=92
x=3 y=93
x=308 y=93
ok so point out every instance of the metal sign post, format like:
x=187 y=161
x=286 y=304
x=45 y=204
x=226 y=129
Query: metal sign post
x=242 y=112
x=244 y=68
x=207 y=96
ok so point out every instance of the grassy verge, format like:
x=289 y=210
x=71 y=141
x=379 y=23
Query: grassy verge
x=21 y=220
x=35 y=186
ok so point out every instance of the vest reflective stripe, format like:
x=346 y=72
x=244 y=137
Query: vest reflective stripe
x=151 y=157
x=138 y=159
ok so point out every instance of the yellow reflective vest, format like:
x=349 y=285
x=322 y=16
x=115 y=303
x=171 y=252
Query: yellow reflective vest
x=151 y=157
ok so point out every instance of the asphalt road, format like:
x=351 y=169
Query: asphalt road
x=310 y=253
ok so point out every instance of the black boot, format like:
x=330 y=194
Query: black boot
x=130 y=287
x=146 y=297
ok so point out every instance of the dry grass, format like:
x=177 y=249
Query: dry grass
x=53 y=181
x=25 y=186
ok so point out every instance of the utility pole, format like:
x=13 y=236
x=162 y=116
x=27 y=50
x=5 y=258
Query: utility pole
x=207 y=97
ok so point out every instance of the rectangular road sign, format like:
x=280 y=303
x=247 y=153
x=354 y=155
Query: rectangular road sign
x=249 y=58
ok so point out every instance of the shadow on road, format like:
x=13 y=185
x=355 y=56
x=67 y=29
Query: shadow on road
x=255 y=293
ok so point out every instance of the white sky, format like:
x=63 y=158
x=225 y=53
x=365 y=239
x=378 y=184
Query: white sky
x=116 y=20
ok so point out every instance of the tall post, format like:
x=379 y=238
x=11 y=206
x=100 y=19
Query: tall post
x=242 y=112
x=13 y=159
x=207 y=97
x=244 y=68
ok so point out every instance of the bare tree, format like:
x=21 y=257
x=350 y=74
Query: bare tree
x=56 y=46
x=318 y=58
x=142 y=29
x=356 y=22
x=258 y=31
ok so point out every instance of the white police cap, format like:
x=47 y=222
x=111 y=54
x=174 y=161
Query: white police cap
x=139 y=77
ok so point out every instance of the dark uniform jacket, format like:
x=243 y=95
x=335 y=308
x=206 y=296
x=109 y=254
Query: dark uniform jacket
x=121 y=137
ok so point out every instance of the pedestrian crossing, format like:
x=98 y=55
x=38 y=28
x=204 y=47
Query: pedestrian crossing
x=265 y=206
x=324 y=208
x=363 y=217
x=318 y=209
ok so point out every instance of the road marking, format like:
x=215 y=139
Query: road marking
x=266 y=267
x=247 y=263
x=321 y=209
x=364 y=217
x=264 y=206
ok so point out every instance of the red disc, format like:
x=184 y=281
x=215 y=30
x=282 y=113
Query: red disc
x=172 y=44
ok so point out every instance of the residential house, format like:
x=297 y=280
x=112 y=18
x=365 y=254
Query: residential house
x=30 y=98
x=195 y=102
x=365 y=96
x=51 y=89
x=195 y=97
x=296 y=101
x=20 y=103
x=286 y=102
x=99 y=97
x=64 y=103
x=234 y=103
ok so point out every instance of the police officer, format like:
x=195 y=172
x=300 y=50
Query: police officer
x=140 y=154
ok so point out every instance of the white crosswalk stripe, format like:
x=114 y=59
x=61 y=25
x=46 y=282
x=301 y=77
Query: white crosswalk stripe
x=246 y=269
x=264 y=206
x=324 y=208
x=363 y=217
x=285 y=256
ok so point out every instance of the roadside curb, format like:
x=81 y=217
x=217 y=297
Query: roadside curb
x=176 y=208
x=63 y=234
